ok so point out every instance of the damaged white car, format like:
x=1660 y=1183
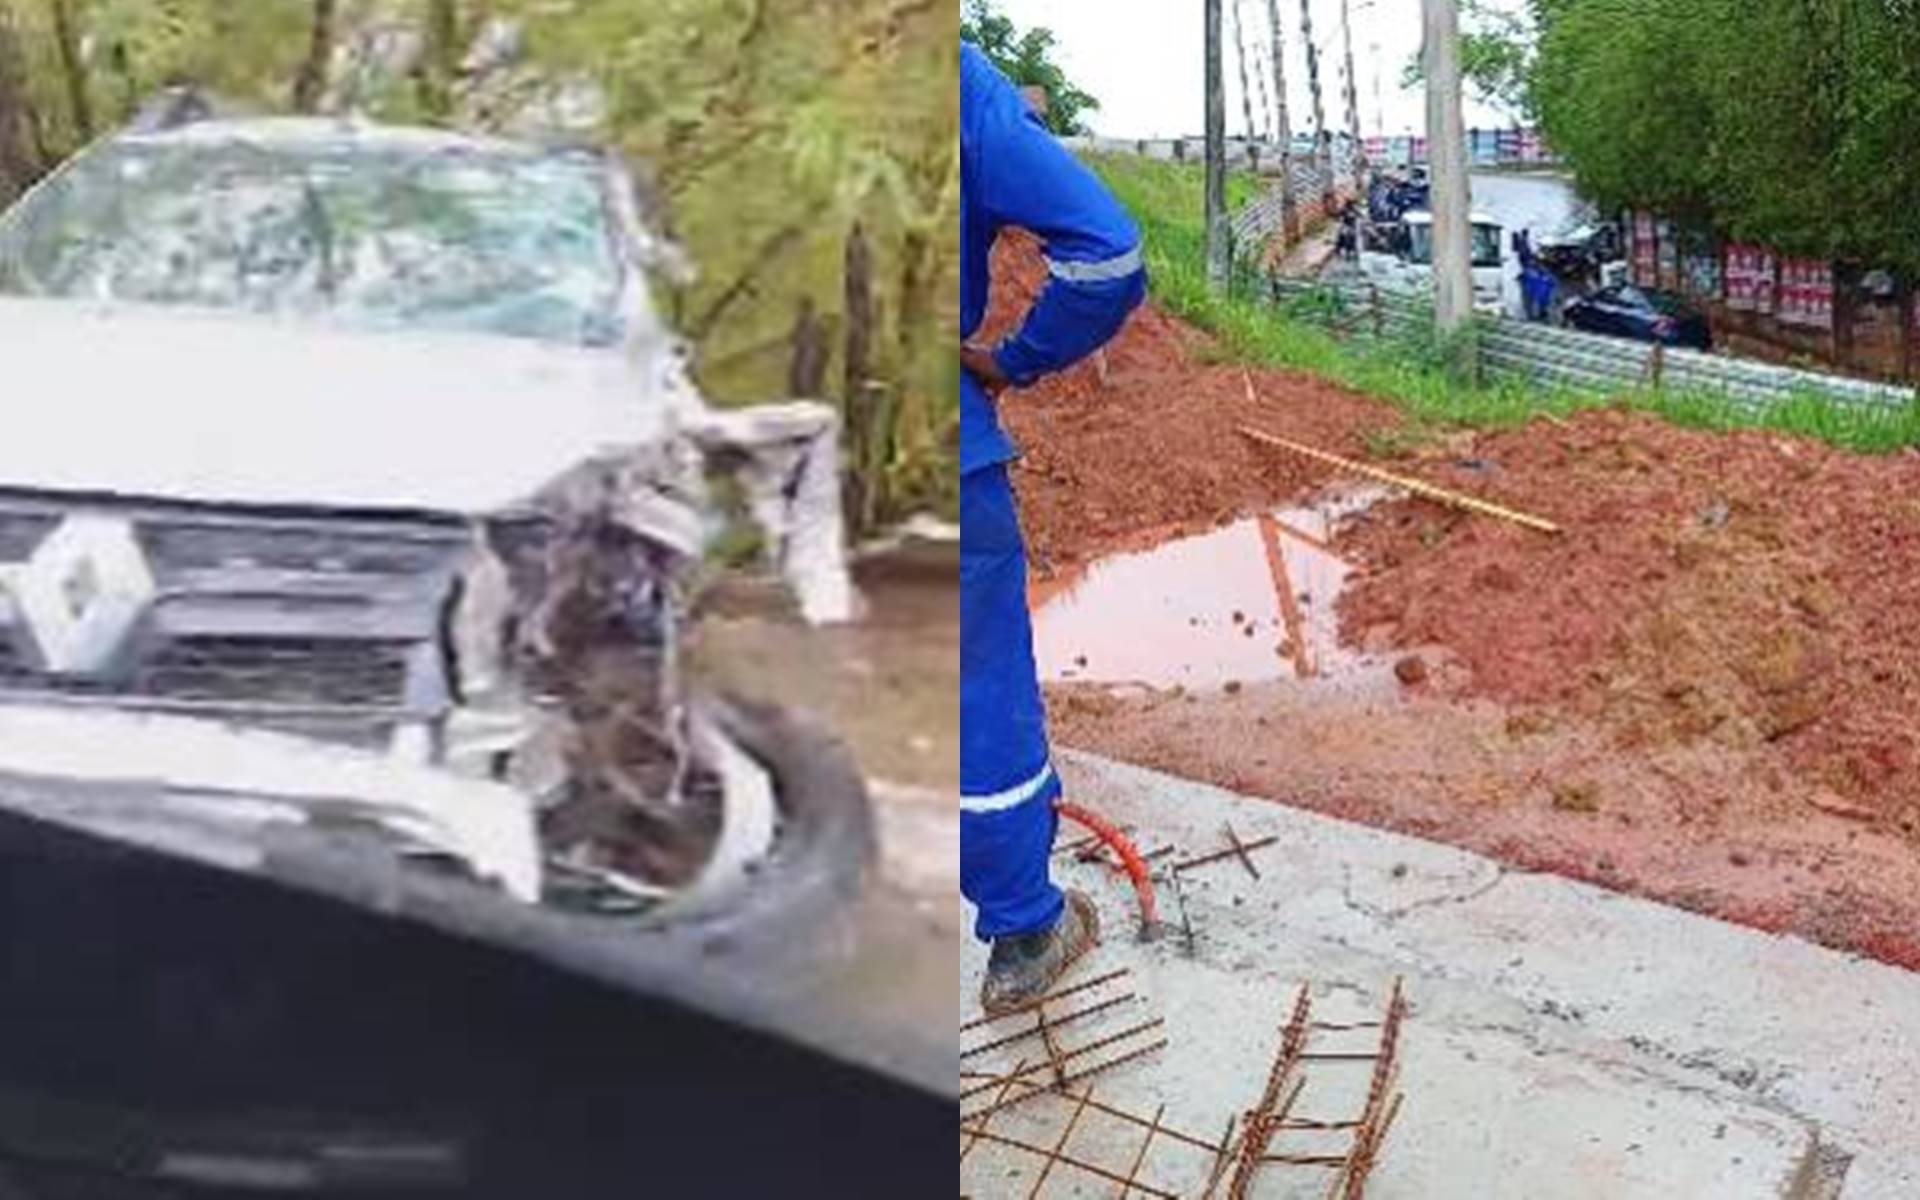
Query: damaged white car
x=349 y=495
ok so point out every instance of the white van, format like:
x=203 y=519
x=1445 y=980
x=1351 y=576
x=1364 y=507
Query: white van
x=1410 y=267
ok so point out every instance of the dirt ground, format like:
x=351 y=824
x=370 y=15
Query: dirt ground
x=888 y=685
x=1702 y=691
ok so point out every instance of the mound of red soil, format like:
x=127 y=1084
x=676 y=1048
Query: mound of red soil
x=1749 y=589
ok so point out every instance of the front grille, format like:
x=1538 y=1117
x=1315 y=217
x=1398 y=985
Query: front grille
x=258 y=615
x=285 y=671
x=178 y=548
x=20 y=532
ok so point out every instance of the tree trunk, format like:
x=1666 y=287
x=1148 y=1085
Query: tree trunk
x=1907 y=303
x=917 y=274
x=861 y=416
x=807 y=369
x=18 y=165
x=311 y=84
x=440 y=59
x=74 y=70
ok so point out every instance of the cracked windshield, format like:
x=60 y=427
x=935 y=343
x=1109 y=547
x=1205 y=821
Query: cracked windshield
x=490 y=243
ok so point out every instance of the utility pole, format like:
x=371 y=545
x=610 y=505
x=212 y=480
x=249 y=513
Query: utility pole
x=1289 y=206
x=1353 y=100
x=1217 y=249
x=1321 y=146
x=1259 y=76
x=1240 y=57
x=1379 y=109
x=1447 y=165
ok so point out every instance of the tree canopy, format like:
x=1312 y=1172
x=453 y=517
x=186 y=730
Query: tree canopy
x=1787 y=124
x=1027 y=60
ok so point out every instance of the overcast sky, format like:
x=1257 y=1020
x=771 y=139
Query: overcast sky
x=1144 y=59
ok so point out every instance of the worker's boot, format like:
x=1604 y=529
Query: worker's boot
x=1023 y=967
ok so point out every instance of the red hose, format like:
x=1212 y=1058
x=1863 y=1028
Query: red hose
x=1116 y=841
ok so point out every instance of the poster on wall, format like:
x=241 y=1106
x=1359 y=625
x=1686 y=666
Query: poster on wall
x=1820 y=284
x=1701 y=274
x=1667 y=255
x=1646 y=254
x=1805 y=293
x=1739 y=277
x=1787 y=297
x=1762 y=286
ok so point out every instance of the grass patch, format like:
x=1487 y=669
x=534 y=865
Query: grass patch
x=1418 y=372
x=1402 y=441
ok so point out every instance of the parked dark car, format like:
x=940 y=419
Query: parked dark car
x=1639 y=313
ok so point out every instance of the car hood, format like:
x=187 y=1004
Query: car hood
x=193 y=405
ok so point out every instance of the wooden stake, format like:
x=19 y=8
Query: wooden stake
x=1419 y=488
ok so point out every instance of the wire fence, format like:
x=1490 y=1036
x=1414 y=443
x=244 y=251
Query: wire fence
x=1585 y=362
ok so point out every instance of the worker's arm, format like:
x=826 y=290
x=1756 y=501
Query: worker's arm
x=1031 y=181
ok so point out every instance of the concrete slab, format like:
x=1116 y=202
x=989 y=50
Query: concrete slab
x=1564 y=1041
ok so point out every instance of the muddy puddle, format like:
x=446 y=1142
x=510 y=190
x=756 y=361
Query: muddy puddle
x=1246 y=603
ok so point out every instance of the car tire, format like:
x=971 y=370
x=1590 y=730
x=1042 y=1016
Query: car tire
x=825 y=846
x=821 y=859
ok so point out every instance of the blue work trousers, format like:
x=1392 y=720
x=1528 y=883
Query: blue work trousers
x=1007 y=781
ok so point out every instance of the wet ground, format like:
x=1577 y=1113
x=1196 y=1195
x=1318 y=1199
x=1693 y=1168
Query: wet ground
x=1248 y=602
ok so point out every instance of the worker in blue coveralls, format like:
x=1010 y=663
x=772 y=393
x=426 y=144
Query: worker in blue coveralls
x=1013 y=173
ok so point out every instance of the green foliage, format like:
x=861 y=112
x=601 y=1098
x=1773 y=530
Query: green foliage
x=1026 y=59
x=770 y=127
x=1417 y=372
x=1788 y=124
x=128 y=49
x=1496 y=57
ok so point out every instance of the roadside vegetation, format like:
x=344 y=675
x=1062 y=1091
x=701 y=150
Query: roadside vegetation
x=805 y=155
x=1790 y=125
x=1416 y=373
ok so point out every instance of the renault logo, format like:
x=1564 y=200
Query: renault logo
x=82 y=593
